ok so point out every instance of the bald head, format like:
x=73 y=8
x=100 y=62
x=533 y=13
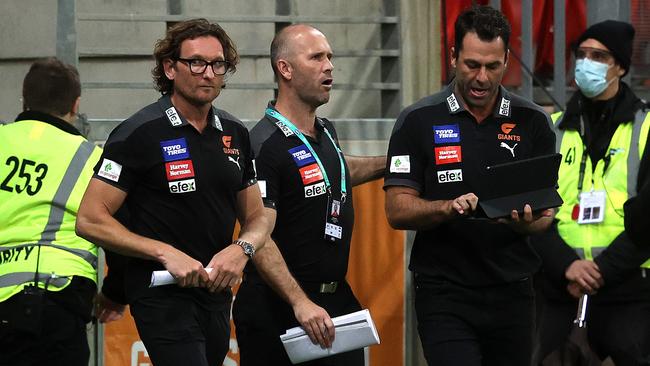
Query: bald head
x=283 y=44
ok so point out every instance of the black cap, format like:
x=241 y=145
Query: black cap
x=616 y=36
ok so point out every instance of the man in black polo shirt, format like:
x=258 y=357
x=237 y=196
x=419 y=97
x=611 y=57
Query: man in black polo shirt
x=306 y=185
x=474 y=297
x=184 y=170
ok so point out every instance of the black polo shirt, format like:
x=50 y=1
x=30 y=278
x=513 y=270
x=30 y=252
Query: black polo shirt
x=182 y=185
x=438 y=149
x=292 y=184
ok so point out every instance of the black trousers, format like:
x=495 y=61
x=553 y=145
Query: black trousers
x=60 y=341
x=177 y=330
x=617 y=330
x=261 y=317
x=483 y=326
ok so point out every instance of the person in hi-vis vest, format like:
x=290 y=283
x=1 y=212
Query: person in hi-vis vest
x=602 y=137
x=48 y=274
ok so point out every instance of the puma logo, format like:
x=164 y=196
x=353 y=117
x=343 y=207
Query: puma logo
x=511 y=149
x=231 y=159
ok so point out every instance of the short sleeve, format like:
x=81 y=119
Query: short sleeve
x=267 y=163
x=120 y=159
x=545 y=137
x=248 y=174
x=404 y=163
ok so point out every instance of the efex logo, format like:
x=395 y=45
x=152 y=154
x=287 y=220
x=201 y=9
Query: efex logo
x=506 y=128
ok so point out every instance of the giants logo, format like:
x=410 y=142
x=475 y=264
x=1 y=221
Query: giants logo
x=310 y=174
x=227 y=141
x=179 y=169
x=506 y=128
x=448 y=155
x=316 y=189
x=182 y=186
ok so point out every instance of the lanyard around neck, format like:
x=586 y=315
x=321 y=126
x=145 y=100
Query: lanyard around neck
x=284 y=121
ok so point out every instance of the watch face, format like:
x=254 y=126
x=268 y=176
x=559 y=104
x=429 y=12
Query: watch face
x=249 y=249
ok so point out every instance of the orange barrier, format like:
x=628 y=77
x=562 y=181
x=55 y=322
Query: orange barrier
x=376 y=273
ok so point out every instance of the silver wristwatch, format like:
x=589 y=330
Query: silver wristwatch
x=248 y=248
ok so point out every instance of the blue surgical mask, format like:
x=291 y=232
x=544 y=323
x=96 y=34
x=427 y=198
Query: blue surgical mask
x=591 y=77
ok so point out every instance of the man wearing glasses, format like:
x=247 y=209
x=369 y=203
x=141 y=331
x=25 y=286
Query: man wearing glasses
x=602 y=136
x=184 y=170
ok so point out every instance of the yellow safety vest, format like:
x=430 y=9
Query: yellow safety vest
x=44 y=172
x=618 y=181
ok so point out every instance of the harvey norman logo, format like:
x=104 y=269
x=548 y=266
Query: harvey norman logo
x=173 y=116
x=448 y=155
x=314 y=190
x=310 y=174
x=301 y=155
x=449 y=176
x=182 y=186
x=179 y=169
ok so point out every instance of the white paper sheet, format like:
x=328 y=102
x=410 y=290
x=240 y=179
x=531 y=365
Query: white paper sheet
x=353 y=331
x=160 y=278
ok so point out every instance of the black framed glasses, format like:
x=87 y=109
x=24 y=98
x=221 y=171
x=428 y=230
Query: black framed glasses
x=198 y=66
x=594 y=54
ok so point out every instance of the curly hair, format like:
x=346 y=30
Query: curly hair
x=170 y=48
x=487 y=22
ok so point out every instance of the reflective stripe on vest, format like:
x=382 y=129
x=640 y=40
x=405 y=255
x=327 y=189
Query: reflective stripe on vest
x=19 y=278
x=619 y=182
x=60 y=253
x=61 y=196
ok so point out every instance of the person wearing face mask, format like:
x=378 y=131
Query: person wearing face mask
x=602 y=136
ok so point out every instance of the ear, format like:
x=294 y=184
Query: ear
x=452 y=58
x=507 y=58
x=75 y=106
x=169 y=68
x=285 y=69
x=619 y=71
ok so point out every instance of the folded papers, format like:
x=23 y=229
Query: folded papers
x=160 y=278
x=353 y=331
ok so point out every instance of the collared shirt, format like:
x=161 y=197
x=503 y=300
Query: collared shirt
x=182 y=184
x=438 y=149
x=292 y=184
x=49 y=119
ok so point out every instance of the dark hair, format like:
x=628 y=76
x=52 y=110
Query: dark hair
x=170 y=48
x=51 y=87
x=487 y=22
x=278 y=48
